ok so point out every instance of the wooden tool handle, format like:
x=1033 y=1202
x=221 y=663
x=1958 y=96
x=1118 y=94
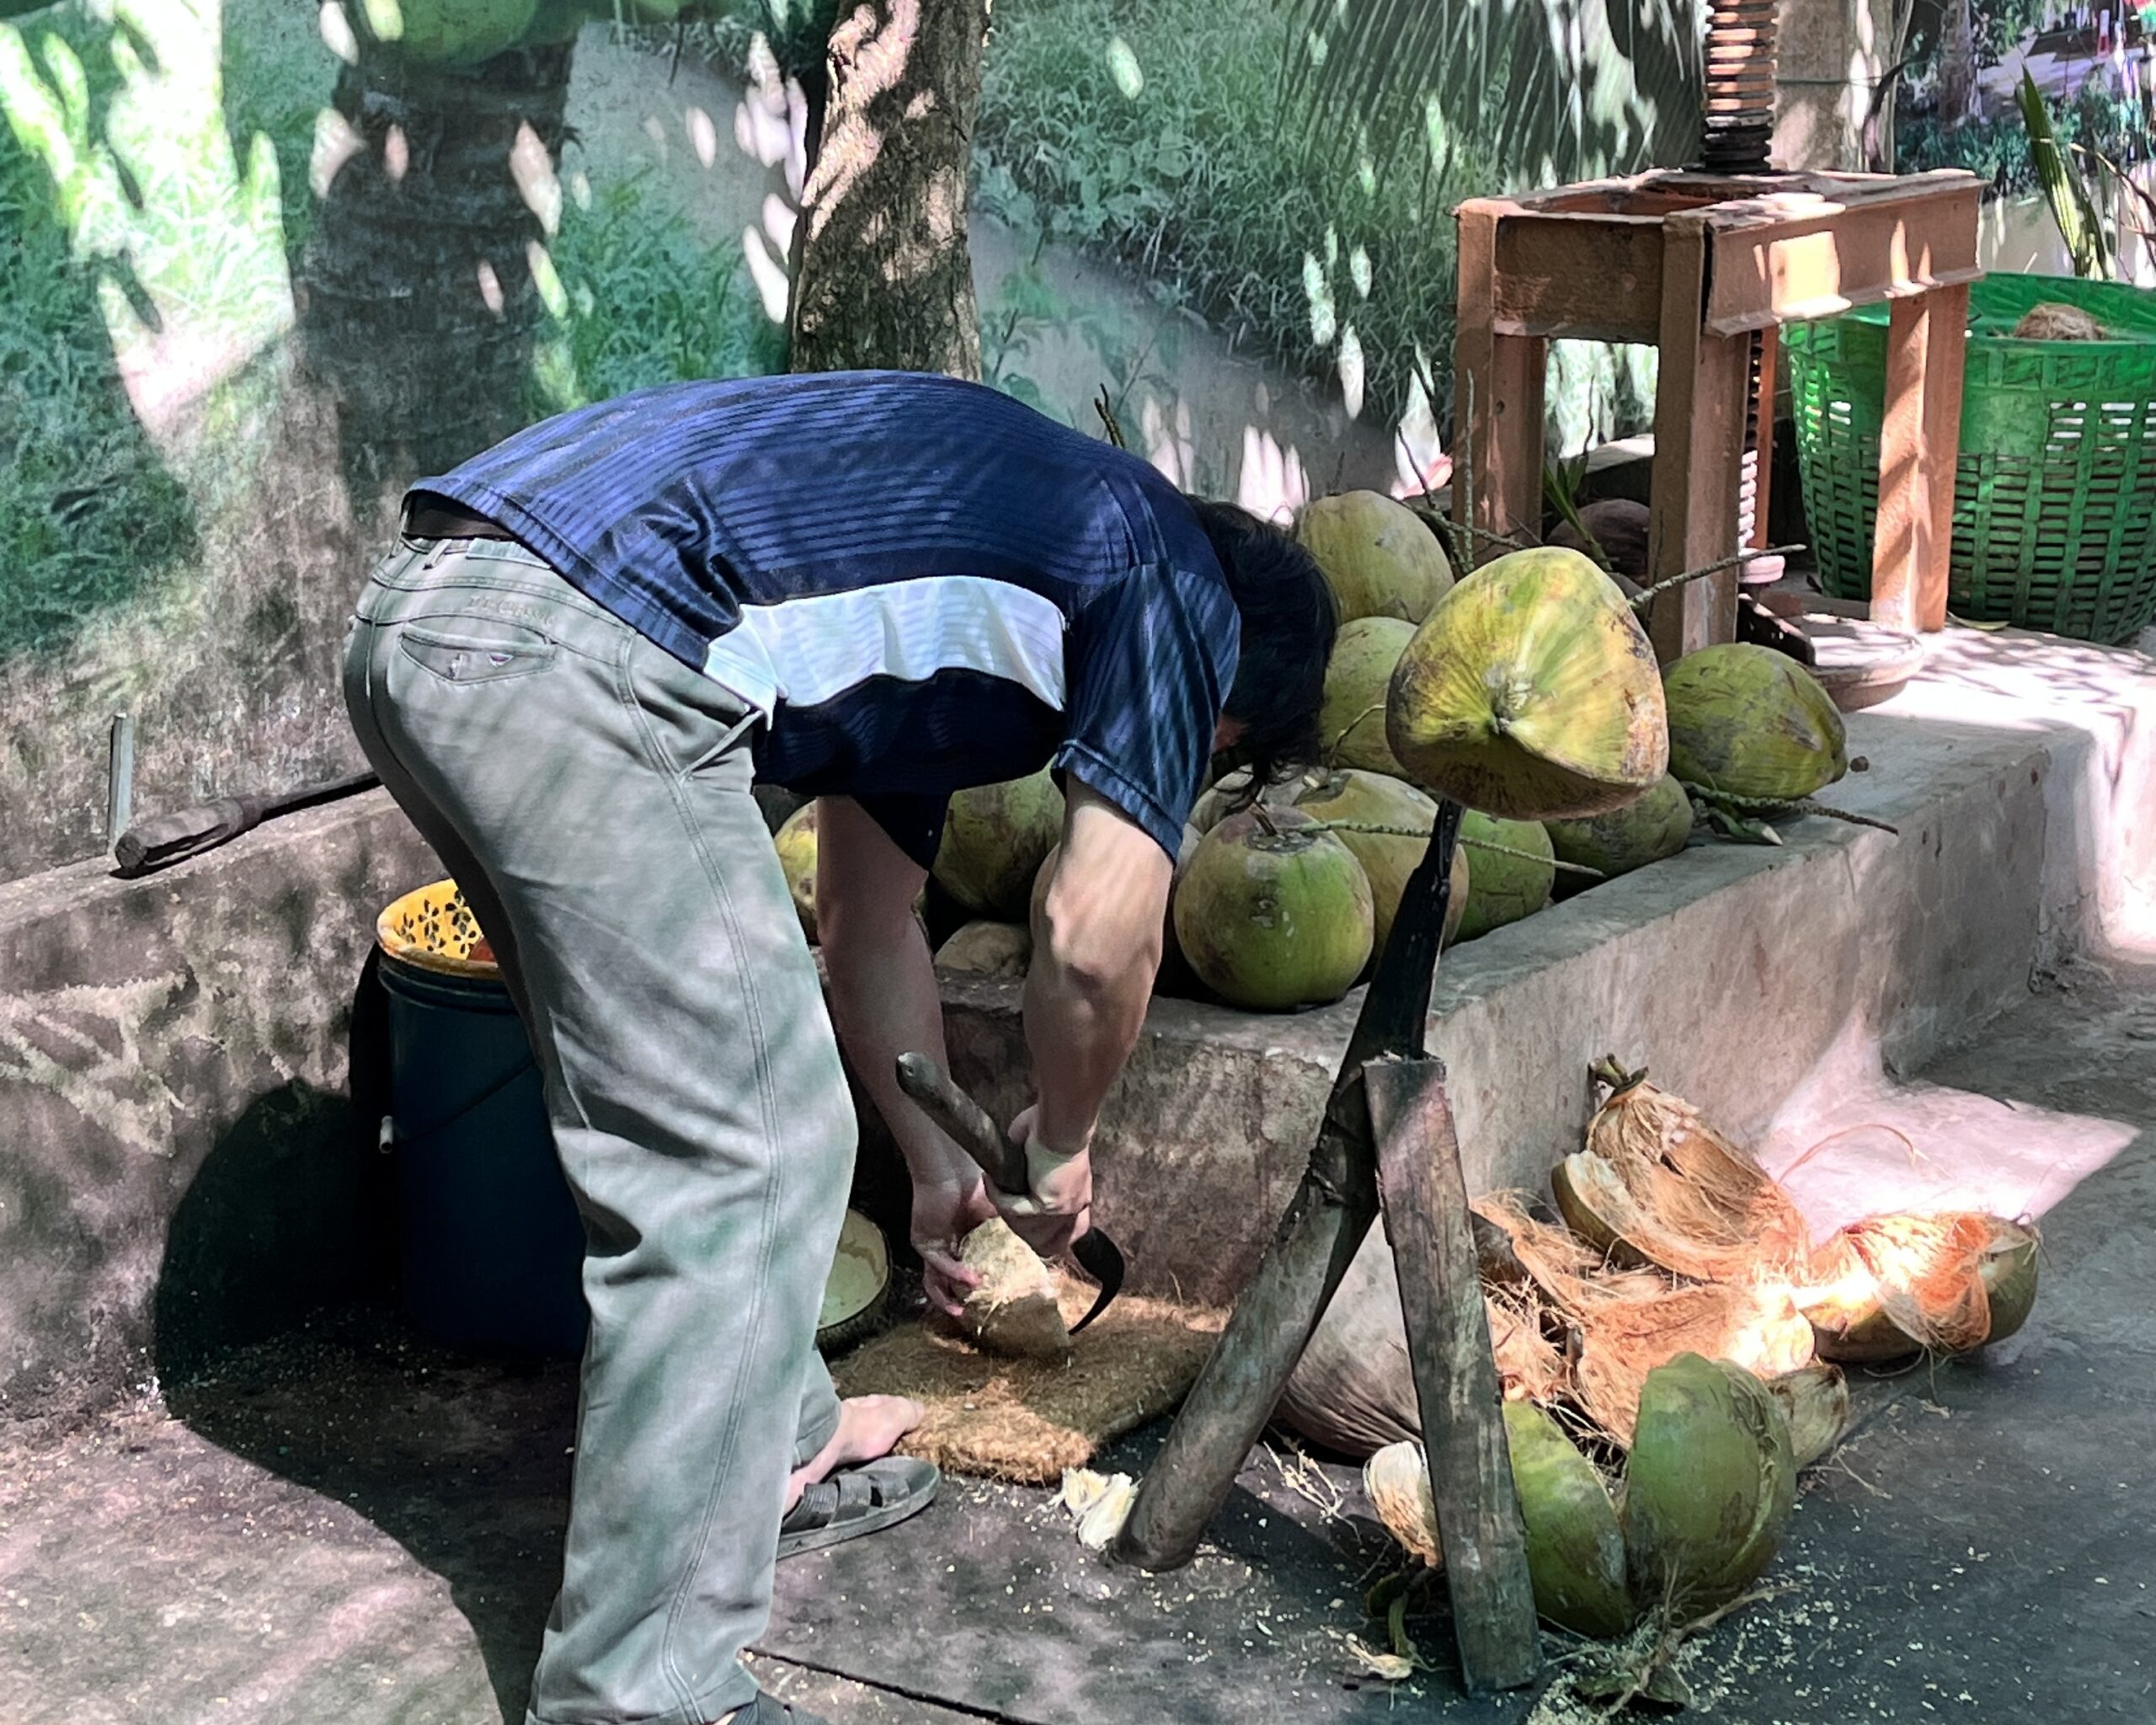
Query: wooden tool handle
x=965 y=1120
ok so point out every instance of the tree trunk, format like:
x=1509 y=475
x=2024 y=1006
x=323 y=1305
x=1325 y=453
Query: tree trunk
x=417 y=307
x=883 y=277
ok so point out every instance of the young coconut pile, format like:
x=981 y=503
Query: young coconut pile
x=1672 y=1353
x=1283 y=894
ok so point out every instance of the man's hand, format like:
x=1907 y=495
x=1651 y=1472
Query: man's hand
x=944 y=1212
x=1056 y=1206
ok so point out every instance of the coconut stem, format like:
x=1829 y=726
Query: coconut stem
x=1646 y=596
x=1377 y=830
x=1780 y=805
x=1333 y=746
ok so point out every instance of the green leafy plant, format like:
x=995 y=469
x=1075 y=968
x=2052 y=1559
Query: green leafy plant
x=2081 y=224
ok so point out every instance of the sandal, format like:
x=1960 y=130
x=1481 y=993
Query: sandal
x=858 y=1500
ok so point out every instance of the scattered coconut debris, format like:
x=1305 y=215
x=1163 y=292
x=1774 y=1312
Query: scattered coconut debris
x=1099 y=1503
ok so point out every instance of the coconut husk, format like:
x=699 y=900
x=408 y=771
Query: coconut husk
x=1028 y=1420
x=2052 y=320
x=1657 y=1184
x=1893 y=1286
x=1816 y=1403
x=1397 y=1481
x=1625 y=1322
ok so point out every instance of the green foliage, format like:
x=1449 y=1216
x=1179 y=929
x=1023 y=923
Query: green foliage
x=641 y=301
x=1026 y=313
x=1191 y=181
x=2079 y=225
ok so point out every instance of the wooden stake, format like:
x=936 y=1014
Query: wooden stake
x=1433 y=1250
x=1326 y=1221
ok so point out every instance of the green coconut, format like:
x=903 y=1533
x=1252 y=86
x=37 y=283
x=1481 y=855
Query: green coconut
x=1894 y=1285
x=1616 y=843
x=438 y=32
x=1750 y=722
x=986 y=948
x=1708 y=1487
x=1351 y=721
x=1531 y=692
x=858 y=1287
x=1575 y=1546
x=1365 y=799
x=1272 y=915
x=796 y=839
x=1501 y=887
x=994 y=839
x=1378 y=557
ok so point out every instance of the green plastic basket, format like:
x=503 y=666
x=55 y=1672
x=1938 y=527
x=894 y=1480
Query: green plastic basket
x=2055 y=491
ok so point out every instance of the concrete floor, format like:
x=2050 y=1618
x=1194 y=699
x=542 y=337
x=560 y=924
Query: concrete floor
x=344 y=1524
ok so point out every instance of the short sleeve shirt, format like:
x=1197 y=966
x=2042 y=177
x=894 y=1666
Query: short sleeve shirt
x=919 y=584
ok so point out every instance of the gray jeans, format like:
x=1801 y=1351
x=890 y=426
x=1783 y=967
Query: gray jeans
x=591 y=795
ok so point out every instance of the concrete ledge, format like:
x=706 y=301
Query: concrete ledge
x=2021 y=773
x=177 y=1168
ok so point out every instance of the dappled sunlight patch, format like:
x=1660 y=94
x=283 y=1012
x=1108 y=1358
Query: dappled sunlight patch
x=1271 y=484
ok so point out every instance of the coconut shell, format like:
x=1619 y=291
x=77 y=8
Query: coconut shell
x=1816 y=1402
x=1629 y=1325
x=1503 y=888
x=1709 y=1488
x=982 y=949
x=1749 y=722
x=1351 y=719
x=858 y=1287
x=1397 y=1481
x=1531 y=693
x=1892 y=1286
x=1014 y=1310
x=1575 y=1546
x=1656 y=1184
x=1272 y=915
x=994 y=838
x=1378 y=558
x=1357 y=798
x=796 y=839
x=1654 y=827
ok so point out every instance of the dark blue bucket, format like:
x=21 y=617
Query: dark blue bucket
x=490 y=1247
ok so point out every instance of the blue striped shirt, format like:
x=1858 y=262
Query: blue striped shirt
x=920 y=584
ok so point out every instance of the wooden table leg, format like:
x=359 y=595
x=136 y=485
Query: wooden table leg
x=1499 y=397
x=1919 y=439
x=1456 y=1387
x=1702 y=390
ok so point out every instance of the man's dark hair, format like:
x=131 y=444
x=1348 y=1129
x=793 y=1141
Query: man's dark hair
x=1288 y=622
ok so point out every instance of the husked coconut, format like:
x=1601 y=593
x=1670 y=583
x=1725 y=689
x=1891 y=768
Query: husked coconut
x=1014 y=1310
x=1530 y=693
x=1378 y=558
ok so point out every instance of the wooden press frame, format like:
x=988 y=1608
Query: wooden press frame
x=1696 y=263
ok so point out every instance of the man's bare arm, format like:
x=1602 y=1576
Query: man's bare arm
x=885 y=1003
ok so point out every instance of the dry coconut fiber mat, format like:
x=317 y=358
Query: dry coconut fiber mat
x=1028 y=1420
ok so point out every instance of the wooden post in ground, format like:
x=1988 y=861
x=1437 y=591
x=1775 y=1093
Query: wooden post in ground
x=1326 y=1221
x=1919 y=441
x=1456 y=1387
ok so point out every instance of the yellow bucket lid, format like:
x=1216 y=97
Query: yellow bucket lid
x=434 y=929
